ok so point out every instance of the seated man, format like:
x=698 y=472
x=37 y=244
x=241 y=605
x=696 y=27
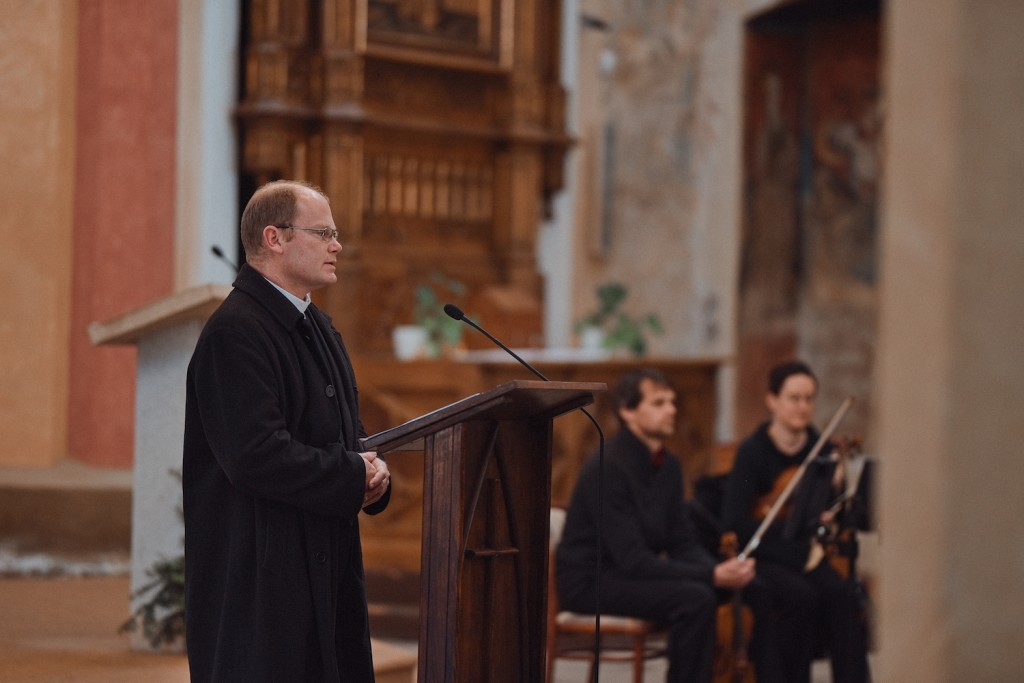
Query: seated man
x=652 y=565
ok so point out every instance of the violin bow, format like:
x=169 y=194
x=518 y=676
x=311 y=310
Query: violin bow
x=755 y=540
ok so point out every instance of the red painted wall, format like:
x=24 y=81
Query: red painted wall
x=124 y=206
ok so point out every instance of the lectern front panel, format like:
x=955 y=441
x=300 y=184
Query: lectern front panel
x=486 y=507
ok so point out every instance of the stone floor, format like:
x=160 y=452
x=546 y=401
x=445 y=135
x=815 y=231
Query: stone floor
x=65 y=629
x=654 y=672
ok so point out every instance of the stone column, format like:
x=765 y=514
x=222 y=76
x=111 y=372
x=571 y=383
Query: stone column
x=165 y=332
x=951 y=362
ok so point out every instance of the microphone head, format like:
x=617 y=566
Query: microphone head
x=217 y=251
x=454 y=311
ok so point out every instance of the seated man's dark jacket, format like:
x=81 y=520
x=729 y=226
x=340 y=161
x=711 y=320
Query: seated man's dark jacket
x=273 y=484
x=646 y=532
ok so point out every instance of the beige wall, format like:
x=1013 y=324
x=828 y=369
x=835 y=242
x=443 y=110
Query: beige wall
x=952 y=344
x=674 y=97
x=37 y=47
x=671 y=96
x=87 y=136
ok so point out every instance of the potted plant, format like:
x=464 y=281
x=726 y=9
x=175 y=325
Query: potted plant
x=441 y=331
x=161 y=618
x=615 y=328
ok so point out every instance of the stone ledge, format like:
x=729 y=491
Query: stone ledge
x=68 y=508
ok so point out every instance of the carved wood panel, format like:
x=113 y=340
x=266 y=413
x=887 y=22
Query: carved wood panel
x=393 y=392
x=436 y=127
x=469 y=33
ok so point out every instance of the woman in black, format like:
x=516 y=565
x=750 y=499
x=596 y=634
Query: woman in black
x=813 y=603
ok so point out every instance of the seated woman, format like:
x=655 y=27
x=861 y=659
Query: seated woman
x=812 y=599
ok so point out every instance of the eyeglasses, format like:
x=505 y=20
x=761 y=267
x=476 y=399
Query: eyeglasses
x=326 y=234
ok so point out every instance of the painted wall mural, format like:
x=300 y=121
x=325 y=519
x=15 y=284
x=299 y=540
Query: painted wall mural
x=812 y=137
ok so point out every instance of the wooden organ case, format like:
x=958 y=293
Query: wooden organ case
x=436 y=127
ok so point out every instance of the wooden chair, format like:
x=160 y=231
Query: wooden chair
x=623 y=639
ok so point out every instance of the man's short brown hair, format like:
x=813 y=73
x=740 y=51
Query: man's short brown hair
x=626 y=393
x=272 y=204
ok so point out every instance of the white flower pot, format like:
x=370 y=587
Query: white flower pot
x=592 y=339
x=409 y=342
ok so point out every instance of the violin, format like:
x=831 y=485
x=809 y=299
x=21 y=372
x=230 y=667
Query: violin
x=764 y=503
x=836 y=541
x=734 y=627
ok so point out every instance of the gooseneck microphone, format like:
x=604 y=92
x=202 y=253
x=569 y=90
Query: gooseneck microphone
x=219 y=253
x=453 y=311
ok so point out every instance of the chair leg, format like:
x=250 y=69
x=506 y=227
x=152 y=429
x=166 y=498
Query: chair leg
x=638 y=659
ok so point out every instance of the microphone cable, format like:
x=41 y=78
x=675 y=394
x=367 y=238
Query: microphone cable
x=453 y=311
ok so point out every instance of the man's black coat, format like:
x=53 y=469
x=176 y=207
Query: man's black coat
x=272 y=484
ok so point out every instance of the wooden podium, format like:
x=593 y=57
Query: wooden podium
x=486 y=507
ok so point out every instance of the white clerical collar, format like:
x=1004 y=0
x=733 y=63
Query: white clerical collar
x=301 y=304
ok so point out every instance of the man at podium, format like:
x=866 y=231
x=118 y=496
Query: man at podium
x=273 y=476
x=653 y=565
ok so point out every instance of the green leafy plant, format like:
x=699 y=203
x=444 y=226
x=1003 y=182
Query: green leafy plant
x=621 y=330
x=442 y=331
x=162 y=616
